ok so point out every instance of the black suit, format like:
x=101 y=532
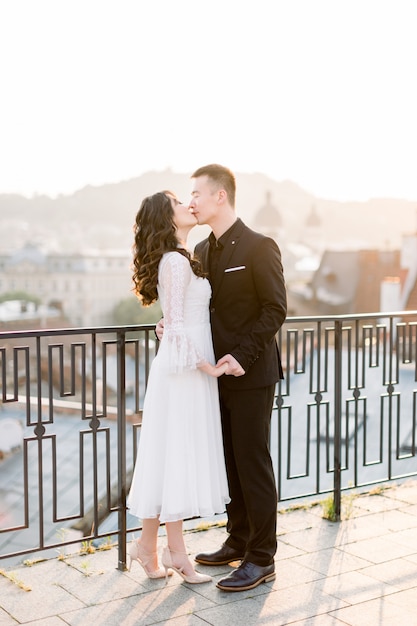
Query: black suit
x=248 y=306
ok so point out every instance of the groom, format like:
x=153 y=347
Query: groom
x=248 y=307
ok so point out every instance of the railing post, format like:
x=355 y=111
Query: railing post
x=121 y=448
x=337 y=493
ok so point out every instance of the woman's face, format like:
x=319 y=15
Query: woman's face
x=182 y=214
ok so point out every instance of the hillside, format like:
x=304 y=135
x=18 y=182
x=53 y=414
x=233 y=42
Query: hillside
x=102 y=216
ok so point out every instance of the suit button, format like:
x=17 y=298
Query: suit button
x=212 y=309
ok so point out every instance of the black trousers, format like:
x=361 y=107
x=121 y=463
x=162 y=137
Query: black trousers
x=252 y=512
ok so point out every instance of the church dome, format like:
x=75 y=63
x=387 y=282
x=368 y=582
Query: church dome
x=313 y=219
x=268 y=216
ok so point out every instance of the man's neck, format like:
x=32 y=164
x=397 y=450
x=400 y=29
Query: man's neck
x=219 y=228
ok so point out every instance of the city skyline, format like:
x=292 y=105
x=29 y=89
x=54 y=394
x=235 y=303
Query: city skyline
x=321 y=93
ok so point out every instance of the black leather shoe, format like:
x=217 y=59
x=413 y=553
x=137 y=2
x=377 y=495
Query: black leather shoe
x=223 y=556
x=247 y=576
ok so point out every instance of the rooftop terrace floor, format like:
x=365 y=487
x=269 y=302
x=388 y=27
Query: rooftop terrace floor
x=362 y=570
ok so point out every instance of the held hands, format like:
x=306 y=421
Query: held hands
x=234 y=367
x=226 y=365
x=213 y=370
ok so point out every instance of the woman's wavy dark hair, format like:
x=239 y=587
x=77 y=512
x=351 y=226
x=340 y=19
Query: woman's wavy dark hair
x=155 y=234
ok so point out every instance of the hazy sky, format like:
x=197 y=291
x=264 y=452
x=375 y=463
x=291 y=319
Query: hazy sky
x=322 y=92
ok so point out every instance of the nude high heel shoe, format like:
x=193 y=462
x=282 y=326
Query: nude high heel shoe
x=139 y=554
x=194 y=578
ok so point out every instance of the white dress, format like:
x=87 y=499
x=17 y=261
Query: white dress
x=180 y=470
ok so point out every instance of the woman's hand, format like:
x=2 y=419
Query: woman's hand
x=213 y=370
x=159 y=329
x=234 y=369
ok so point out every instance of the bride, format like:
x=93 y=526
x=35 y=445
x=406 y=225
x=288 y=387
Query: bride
x=180 y=469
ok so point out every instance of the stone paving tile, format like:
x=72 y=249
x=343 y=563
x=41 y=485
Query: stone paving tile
x=320 y=620
x=243 y=611
x=400 y=573
x=404 y=493
x=187 y=620
x=96 y=562
x=369 y=560
x=307 y=540
x=411 y=509
x=40 y=602
x=406 y=598
x=331 y=562
x=406 y=538
x=379 y=612
x=396 y=519
x=6 y=619
x=205 y=541
x=277 y=608
x=48 y=621
x=63 y=581
x=376 y=550
x=48 y=573
x=293 y=573
x=286 y=551
x=357 y=529
x=96 y=589
x=411 y=557
x=146 y=609
x=355 y=587
x=218 y=597
x=299 y=519
x=376 y=503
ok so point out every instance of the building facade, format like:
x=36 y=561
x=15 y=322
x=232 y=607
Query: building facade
x=84 y=287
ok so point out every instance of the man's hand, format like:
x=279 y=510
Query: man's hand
x=213 y=370
x=234 y=367
x=159 y=329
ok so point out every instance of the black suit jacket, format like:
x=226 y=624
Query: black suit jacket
x=248 y=305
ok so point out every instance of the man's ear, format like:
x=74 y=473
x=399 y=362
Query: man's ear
x=221 y=196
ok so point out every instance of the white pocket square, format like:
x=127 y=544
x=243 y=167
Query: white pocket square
x=235 y=269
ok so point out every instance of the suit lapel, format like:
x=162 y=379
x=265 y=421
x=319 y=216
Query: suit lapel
x=226 y=258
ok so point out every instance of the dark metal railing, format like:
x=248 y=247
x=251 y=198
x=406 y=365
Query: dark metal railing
x=344 y=417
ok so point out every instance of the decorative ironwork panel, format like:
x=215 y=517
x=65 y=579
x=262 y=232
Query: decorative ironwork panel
x=344 y=416
x=76 y=395
x=347 y=404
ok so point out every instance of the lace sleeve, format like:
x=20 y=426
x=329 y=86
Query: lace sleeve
x=174 y=278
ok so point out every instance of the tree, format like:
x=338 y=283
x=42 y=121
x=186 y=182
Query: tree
x=130 y=311
x=19 y=295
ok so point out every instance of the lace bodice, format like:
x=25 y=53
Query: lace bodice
x=180 y=469
x=184 y=300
